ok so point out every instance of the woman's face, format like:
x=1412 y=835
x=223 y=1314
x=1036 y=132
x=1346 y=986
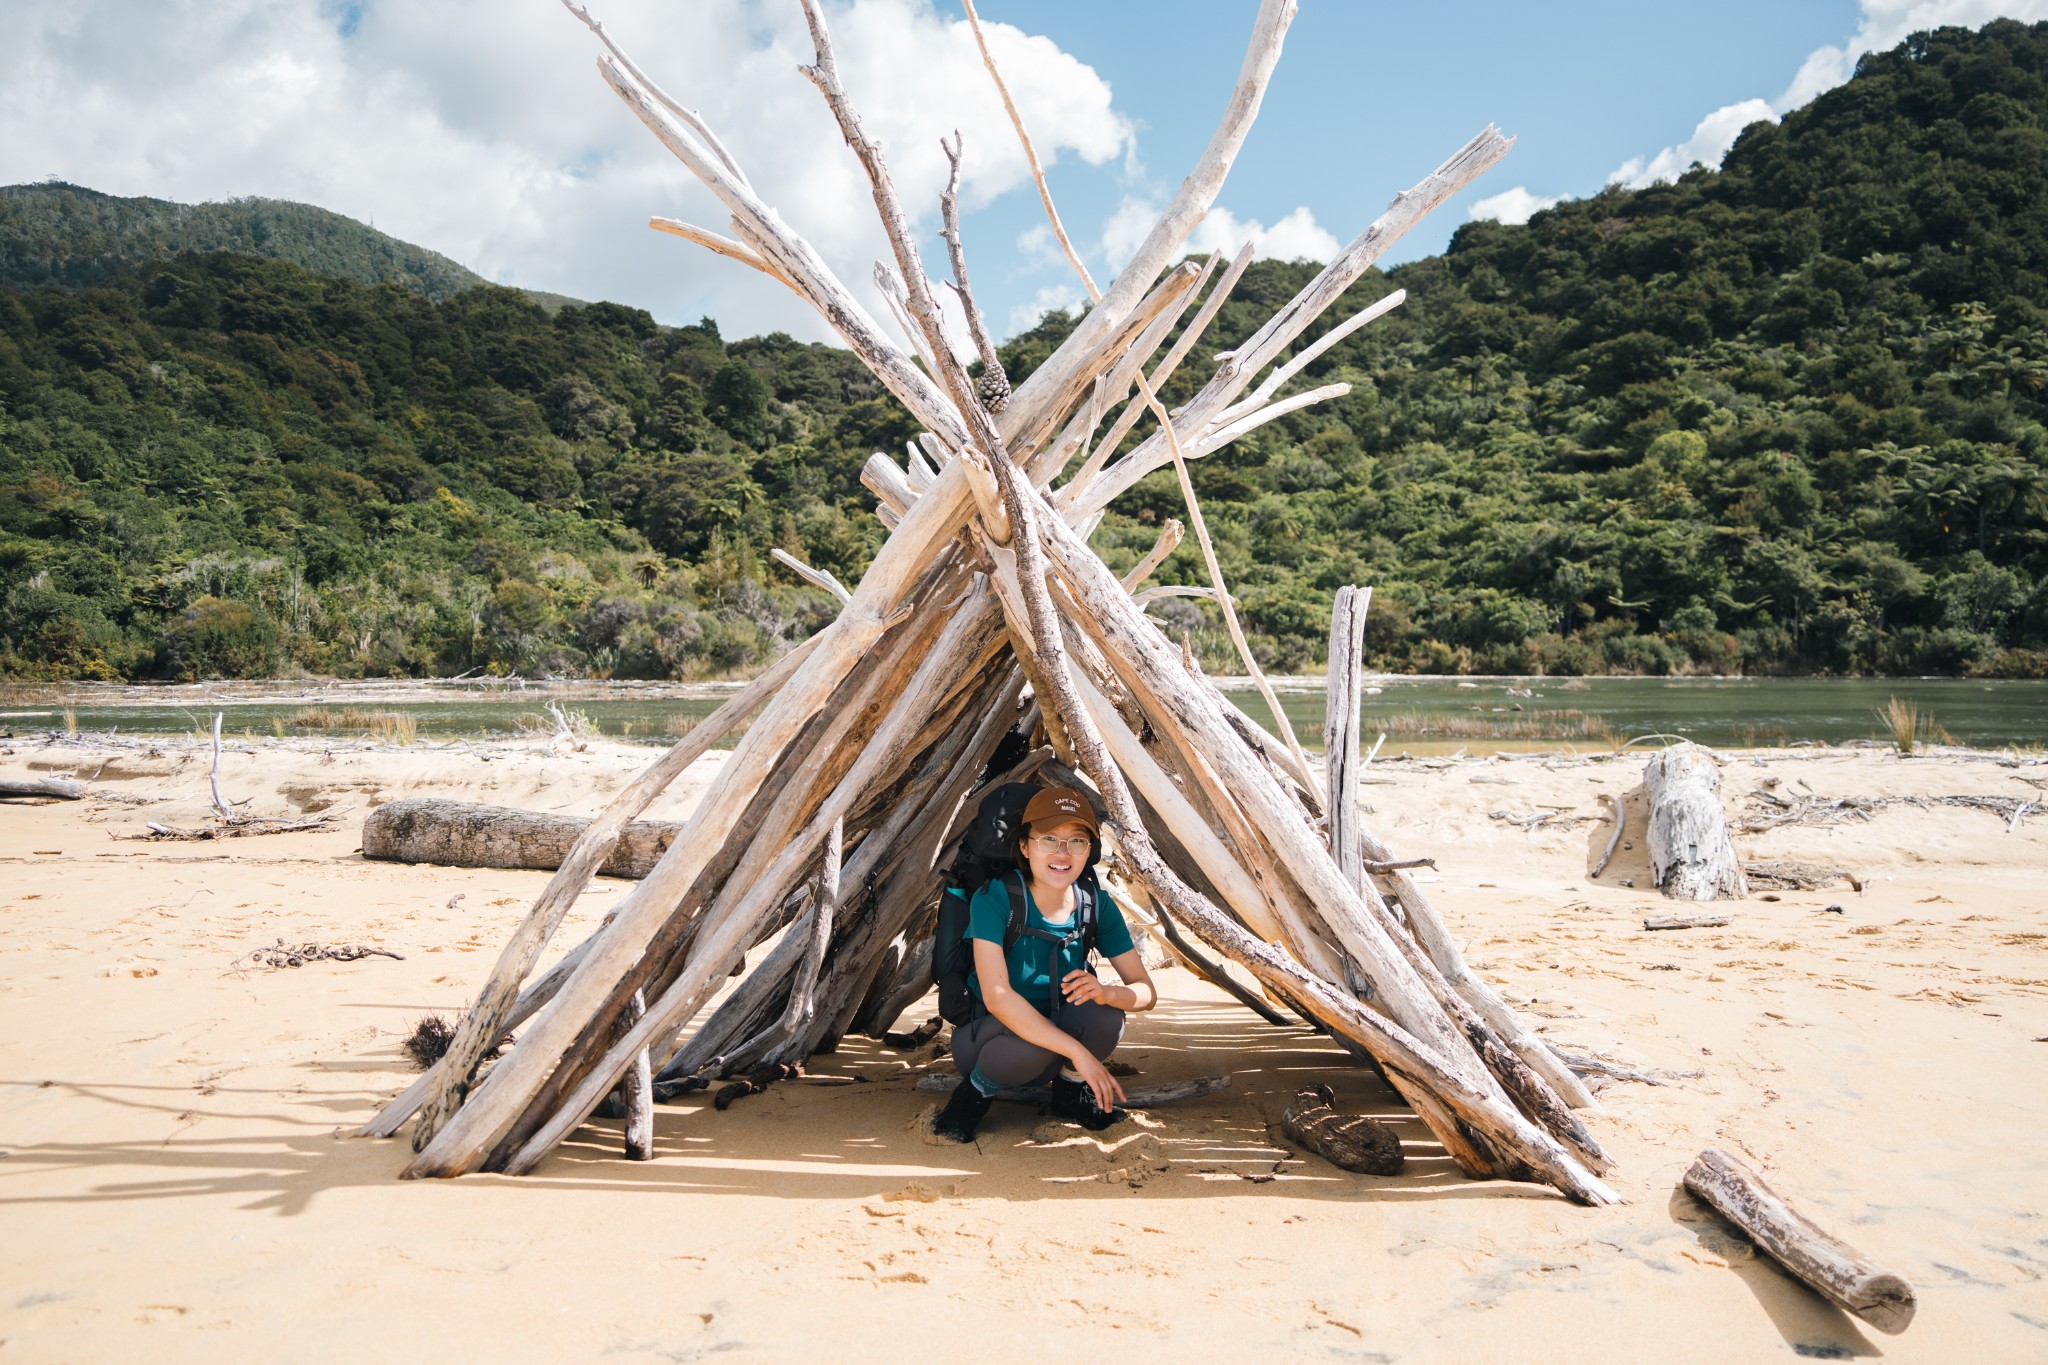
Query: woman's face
x=1056 y=867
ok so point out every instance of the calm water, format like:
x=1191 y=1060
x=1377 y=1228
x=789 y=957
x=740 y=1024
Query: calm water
x=1733 y=712
x=1421 y=714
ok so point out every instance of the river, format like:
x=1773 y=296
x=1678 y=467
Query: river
x=1418 y=714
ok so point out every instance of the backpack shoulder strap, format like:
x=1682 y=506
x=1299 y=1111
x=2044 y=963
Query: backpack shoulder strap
x=1018 y=909
x=1086 y=912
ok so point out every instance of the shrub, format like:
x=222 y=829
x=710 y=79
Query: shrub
x=216 y=637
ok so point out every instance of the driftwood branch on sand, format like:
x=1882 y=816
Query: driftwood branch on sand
x=1841 y=1273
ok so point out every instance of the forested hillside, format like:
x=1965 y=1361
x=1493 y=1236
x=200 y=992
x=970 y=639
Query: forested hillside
x=1786 y=416
x=68 y=235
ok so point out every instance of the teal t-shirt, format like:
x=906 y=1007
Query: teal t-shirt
x=1032 y=969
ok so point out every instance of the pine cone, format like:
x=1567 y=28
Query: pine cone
x=994 y=389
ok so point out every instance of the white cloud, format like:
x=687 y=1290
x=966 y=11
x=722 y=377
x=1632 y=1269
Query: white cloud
x=1707 y=145
x=1517 y=205
x=1026 y=315
x=1293 y=237
x=481 y=129
x=1884 y=24
x=1126 y=230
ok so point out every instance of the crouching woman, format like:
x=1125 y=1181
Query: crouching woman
x=1043 y=1016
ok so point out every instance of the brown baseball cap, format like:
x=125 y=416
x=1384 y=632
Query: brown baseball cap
x=1057 y=805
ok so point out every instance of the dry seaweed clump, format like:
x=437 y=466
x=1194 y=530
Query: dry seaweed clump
x=429 y=1041
x=431 y=1037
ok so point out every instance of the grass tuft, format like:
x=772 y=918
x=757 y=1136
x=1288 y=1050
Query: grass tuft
x=1908 y=725
x=394 y=727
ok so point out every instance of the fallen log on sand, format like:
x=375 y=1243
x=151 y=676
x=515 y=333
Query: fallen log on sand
x=1839 y=1271
x=461 y=834
x=1350 y=1142
x=54 y=788
x=1691 y=855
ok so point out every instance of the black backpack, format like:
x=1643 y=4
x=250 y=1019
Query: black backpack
x=987 y=852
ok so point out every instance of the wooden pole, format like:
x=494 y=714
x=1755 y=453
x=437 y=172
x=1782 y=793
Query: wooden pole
x=1340 y=730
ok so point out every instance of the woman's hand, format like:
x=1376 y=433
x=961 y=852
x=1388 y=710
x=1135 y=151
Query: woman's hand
x=1096 y=1077
x=1082 y=987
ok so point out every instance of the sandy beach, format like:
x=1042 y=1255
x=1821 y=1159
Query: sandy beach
x=177 y=1175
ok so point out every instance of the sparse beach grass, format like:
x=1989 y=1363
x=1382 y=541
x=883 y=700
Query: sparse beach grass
x=1577 y=725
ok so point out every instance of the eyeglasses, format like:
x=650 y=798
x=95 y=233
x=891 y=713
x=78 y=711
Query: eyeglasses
x=1078 y=844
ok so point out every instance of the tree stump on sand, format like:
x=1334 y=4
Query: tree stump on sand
x=1691 y=854
x=459 y=834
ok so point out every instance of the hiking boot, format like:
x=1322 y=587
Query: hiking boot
x=963 y=1113
x=1074 y=1101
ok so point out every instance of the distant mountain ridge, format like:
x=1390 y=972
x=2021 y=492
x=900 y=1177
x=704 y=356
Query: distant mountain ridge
x=72 y=237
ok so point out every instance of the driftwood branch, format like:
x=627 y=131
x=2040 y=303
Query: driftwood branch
x=724 y=246
x=1151 y=399
x=1613 y=839
x=1841 y=1273
x=1169 y=540
x=1686 y=922
x=994 y=389
x=817 y=578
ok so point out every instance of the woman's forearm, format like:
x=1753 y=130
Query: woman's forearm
x=1131 y=999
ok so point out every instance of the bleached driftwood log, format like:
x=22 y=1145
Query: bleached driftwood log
x=1840 y=1272
x=1691 y=854
x=53 y=788
x=466 y=834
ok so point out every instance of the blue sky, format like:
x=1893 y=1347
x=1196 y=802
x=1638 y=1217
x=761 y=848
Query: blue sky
x=480 y=129
x=1370 y=96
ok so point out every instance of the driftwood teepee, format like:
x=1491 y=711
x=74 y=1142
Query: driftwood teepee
x=986 y=613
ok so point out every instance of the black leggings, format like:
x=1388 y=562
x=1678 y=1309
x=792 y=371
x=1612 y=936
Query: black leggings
x=986 y=1043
